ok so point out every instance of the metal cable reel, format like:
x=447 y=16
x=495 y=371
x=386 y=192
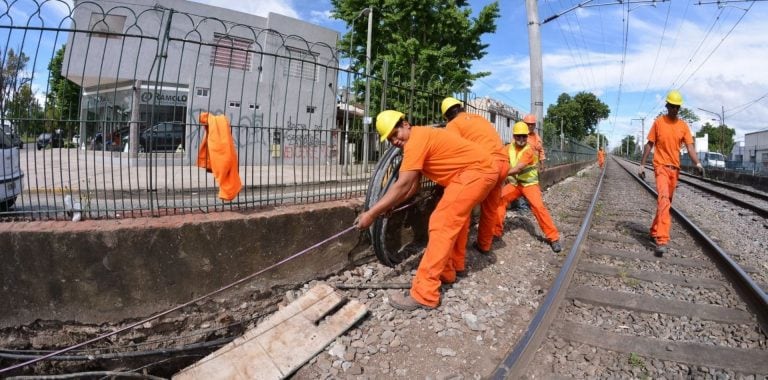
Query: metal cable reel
x=397 y=236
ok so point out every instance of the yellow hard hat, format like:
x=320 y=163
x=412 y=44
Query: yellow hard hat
x=520 y=128
x=448 y=103
x=386 y=122
x=675 y=97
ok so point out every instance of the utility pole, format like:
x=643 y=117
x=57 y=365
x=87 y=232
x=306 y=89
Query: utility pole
x=534 y=51
x=642 y=129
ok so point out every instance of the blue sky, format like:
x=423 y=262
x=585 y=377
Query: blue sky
x=714 y=53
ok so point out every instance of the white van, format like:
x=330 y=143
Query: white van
x=10 y=172
x=712 y=159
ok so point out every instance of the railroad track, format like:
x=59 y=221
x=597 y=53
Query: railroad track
x=616 y=309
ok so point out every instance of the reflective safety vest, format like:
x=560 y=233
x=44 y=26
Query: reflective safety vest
x=529 y=175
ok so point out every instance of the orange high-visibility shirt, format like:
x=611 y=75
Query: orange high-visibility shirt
x=528 y=157
x=477 y=129
x=439 y=155
x=534 y=141
x=667 y=136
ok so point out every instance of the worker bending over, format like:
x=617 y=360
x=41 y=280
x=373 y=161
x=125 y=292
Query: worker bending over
x=477 y=129
x=465 y=171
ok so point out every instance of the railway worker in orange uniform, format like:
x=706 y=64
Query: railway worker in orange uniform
x=666 y=135
x=477 y=129
x=601 y=157
x=524 y=180
x=534 y=140
x=465 y=171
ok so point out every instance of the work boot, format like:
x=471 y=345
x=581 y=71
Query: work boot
x=660 y=250
x=490 y=256
x=404 y=302
x=556 y=247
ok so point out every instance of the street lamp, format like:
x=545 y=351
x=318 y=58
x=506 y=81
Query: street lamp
x=721 y=117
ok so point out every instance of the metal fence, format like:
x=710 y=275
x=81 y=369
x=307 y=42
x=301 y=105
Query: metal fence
x=102 y=106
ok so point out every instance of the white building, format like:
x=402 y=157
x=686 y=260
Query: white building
x=140 y=63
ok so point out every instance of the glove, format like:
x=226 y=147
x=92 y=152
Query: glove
x=641 y=174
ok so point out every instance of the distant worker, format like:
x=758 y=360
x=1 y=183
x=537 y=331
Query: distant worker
x=666 y=135
x=465 y=171
x=477 y=129
x=524 y=180
x=601 y=157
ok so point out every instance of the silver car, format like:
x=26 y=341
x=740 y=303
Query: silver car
x=10 y=173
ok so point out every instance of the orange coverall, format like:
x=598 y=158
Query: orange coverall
x=666 y=136
x=531 y=192
x=477 y=129
x=534 y=141
x=218 y=155
x=467 y=173
x=601 y=158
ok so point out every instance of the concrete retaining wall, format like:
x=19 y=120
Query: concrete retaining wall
x=96 y=271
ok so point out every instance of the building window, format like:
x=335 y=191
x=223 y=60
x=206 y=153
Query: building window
x=201 y=91
x=493 y=118
x=231 y=52
x=300 y=63
x=253 y=106
x=234 y=104
x=103 y=25
x=310 y=109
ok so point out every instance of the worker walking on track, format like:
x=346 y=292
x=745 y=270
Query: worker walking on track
x=465 y=171
x=601 y=157
x=524 y=180
x=477 y=129
x=666 y=135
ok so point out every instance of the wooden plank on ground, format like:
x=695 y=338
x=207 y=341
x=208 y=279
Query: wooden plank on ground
x=284 y=342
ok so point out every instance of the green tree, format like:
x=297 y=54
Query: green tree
x=429 y=44
x=11 y=76
x=578 y=115
x=25 y=110
x=628 y=146
x=688 y=115
x=720 y=138
x=63 y=100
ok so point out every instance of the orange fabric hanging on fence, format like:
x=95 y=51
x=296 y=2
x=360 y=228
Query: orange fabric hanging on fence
x=218 y=155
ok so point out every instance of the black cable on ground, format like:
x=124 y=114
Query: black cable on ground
x=179 y=307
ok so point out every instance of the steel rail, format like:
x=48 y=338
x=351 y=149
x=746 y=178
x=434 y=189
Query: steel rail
x=515 y=362
x=755 y=297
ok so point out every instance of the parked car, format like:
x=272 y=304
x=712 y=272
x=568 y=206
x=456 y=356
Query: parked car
x=712 y=159
x=53 y=140
x=15 y=138
x=160 y=137
x=10 y=172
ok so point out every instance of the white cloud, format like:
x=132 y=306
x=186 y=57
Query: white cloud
x=257 y=7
